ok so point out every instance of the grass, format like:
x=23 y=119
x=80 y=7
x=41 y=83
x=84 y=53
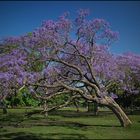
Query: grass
x=66 y=124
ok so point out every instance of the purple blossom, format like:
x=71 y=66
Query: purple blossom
x=53 y=37
x=114 y=96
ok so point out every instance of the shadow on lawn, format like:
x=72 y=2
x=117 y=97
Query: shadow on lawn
x=67 y=113
x=20 y=136
x=66 y=136
x=66 y=124
x=58 y=123
x=32 y=136
x=20 y=121
x=74 y=125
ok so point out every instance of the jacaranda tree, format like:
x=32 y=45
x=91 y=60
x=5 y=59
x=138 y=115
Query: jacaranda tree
x=65 y=57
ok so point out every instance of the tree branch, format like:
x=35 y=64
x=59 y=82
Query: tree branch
x=67 y=64
x=88 y=64
x=63 y=105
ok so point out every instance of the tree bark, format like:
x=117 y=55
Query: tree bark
x=96 y=108
x=4 y=108
x=90 y=107
x=120 y=114
x=45 y=108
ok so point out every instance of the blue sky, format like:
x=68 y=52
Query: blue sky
x=18 y=18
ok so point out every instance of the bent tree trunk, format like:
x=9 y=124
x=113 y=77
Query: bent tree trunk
x=120 y=114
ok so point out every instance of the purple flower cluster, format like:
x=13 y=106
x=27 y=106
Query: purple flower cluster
x=22 y=55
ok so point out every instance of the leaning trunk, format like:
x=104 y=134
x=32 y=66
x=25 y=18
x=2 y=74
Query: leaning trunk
x=120 y=114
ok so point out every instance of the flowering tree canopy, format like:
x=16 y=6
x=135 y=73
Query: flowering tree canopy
x=52 y=60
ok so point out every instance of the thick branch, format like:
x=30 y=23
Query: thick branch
x=47 y=97
x=45 y=86
x=77 y=90
x=67 y=64
x=88 y=64
x=63 y=105
x=93 y=86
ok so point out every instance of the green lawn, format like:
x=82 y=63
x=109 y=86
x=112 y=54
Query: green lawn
x=66 y=124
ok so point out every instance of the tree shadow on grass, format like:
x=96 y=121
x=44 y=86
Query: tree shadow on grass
x=104 y=125
x=20 y=121
x=2 y=130
x=11 y=118
x=20 y=136
x=65 y=136
x=66 y=124
x=67 y=113
x=31 y=136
